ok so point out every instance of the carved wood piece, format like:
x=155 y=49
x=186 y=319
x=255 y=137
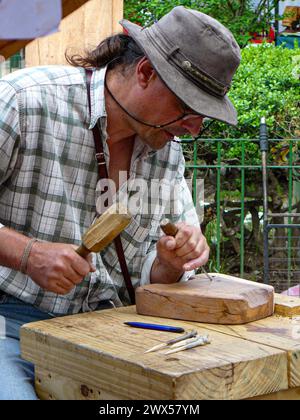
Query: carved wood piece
x=225 y=300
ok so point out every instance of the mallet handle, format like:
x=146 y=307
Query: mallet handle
x=83 y=251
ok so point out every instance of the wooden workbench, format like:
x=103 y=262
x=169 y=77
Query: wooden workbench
x=95 y=356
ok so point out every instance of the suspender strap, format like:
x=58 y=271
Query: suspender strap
x=103 y=173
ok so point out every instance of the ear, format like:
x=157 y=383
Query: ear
x=145 y=72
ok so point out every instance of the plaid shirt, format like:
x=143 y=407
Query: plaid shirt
x=48 y=183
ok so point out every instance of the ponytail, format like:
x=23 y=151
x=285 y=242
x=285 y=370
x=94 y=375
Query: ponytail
x=117 y=49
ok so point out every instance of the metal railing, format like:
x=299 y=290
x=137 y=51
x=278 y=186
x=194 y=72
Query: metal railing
x=227 y=166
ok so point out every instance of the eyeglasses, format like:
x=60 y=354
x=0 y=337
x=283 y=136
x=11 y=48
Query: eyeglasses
x=188 y=113
x=194 y=139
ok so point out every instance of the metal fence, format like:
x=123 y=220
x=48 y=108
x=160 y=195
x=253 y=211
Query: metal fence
x=233 y=221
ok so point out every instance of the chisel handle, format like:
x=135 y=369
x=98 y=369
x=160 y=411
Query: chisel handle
x=168 y=227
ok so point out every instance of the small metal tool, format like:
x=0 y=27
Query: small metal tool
x=201 y=341
x=186 y=336
x=206 y=273
x=171 y=230
x=185 y=342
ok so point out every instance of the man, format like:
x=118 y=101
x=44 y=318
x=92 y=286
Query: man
x=147 y=87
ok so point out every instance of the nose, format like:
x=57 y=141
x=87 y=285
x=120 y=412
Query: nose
x=193 y=125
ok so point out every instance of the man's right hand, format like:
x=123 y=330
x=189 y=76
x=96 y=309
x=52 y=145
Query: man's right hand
x=57 y=267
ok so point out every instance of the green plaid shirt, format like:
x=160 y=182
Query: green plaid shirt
x=48 y=180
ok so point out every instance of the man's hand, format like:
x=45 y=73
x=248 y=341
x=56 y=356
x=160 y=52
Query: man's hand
x=57 y=267
x=186 y=251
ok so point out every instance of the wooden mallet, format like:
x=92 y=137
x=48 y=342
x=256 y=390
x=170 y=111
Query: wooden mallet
x=104 y=230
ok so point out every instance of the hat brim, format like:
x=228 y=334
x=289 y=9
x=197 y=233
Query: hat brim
x=198 y=100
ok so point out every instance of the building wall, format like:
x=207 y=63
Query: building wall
x=82 y=29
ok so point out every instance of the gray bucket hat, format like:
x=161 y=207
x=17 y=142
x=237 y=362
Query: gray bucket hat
x=195 y=56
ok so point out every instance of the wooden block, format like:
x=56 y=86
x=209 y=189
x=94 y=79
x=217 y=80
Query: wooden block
x=287 y=305
x=94 y=355
x=225 y=300
x=277 y=332
x=52 y=386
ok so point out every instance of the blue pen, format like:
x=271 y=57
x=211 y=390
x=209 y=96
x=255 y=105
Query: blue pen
x=155 y=327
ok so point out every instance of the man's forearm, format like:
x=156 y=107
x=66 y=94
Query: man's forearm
x=163 y=274
x=12 y=245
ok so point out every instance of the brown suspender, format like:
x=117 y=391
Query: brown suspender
x=103 y=173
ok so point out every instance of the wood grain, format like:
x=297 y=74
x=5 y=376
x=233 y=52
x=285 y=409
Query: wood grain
x=105 y=229
x=97 y=351
x=225 y=300
x=52 y=386
x=84 y=29
x=277 y=332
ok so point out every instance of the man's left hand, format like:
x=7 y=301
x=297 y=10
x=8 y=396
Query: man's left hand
x=186 y=251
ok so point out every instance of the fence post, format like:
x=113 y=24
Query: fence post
x=263 y=142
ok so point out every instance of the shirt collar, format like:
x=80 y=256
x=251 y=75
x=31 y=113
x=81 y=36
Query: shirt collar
x=97 y=96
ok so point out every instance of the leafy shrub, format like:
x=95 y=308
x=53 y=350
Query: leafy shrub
x=265 y=85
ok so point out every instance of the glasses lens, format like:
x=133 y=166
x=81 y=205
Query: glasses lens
x=188 y=112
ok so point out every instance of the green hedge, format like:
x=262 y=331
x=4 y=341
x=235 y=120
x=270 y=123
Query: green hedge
x=266 y=84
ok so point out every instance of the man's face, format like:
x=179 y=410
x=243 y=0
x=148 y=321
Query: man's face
x=157 y=105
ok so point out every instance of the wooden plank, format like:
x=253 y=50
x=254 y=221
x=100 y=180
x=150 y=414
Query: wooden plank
x=225 y=300
x=11 y=47
x=287 y=305
x=83 y=29
x=51 y=386
x=117 y=14
x=97 y=350
x=278 y=332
